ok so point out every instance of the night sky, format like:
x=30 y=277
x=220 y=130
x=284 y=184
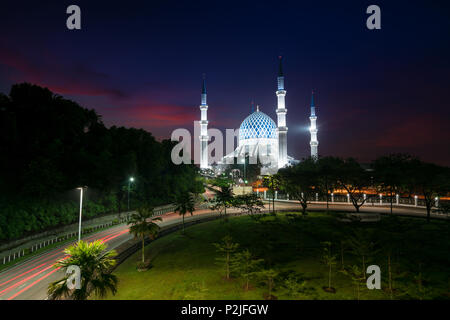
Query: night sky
x=140 y=64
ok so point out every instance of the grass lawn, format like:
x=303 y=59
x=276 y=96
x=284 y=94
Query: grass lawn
x=185 y=266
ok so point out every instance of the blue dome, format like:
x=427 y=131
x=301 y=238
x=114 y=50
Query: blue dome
x=257 y=125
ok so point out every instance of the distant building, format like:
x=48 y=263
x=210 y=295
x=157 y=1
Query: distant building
x=259 y=134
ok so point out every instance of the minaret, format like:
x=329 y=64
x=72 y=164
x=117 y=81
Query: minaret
x=281 y=119
x=204 y=129
x=313 y=129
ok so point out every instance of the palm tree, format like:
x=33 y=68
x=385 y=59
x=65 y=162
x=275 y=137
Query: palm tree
x=95 y=266
x=142 y=225
x=185 y=203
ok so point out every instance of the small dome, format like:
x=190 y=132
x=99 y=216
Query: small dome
x=257 y=125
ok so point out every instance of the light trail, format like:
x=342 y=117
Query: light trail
x=105 y=239
x=1 y=284
x=32 y=284
x=26 y=279
x=45 y=256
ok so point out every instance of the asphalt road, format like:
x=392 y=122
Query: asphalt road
x=29 y=279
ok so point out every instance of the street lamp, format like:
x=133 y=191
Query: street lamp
x=245 y=171
x=129 y=185
x=81 y=210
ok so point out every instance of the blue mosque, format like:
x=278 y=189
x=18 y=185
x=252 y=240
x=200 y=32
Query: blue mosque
x=260 y=137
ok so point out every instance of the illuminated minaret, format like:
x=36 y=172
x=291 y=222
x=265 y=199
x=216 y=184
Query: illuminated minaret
x=313 y=129
x=281 y=119
x=204 y=129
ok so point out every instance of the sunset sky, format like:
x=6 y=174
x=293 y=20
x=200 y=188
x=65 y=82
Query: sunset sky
x=140 y=64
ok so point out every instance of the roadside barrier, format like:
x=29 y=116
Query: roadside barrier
x=73 y=235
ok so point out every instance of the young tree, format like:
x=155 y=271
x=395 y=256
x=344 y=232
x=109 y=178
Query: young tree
x=185 y=203
x=142 y=225
x=357 y=275
x=340 y=237
x=330 y=260
x=95 y=266
x=227 y=249
x=268 y=276
x=294 y=285
x=362 y=245
x=272 y=182
x=300 y=181
x=247 y=266
x=392 y=230
x=418 y=289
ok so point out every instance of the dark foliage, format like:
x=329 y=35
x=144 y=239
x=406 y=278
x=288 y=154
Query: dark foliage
x=49 y=146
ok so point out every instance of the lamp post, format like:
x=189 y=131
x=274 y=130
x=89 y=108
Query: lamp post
x=129 y=185
x=245 y=171
x=81 y=210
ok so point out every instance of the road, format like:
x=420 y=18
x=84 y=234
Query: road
x=29 y=279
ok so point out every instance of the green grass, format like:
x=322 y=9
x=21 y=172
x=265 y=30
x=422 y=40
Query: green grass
x=184 y=266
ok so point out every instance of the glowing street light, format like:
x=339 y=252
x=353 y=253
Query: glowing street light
x=129 y=185
x=244 y=161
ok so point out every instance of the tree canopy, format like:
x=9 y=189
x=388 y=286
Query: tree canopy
x=51 y=145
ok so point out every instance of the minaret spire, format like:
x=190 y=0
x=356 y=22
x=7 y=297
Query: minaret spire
x=280 y=74
x=314 y=143
x=204 y=128
x=281 y=118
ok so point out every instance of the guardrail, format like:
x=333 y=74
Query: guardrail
x=42 y=244
x=73 y=235
x=370 y=199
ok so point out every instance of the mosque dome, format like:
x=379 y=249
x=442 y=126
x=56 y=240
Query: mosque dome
x=258 y=125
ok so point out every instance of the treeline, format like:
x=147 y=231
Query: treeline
x=389 y=175
x=49 y=146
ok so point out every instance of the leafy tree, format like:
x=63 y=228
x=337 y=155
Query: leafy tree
x=294 y=285
x=142 y=225
x=185 y=203
x=95 y=266
x=249 y=203
x=389 y=172
x=51 y=145
x=357 y=275
x=300 y=181
x=362 y=245
x=327 y=175
x=272 y=182
x=224 y=195
x=227 y=249
x=428 y=180
x=329 y=260
x=354 y=179
x=247 y=266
